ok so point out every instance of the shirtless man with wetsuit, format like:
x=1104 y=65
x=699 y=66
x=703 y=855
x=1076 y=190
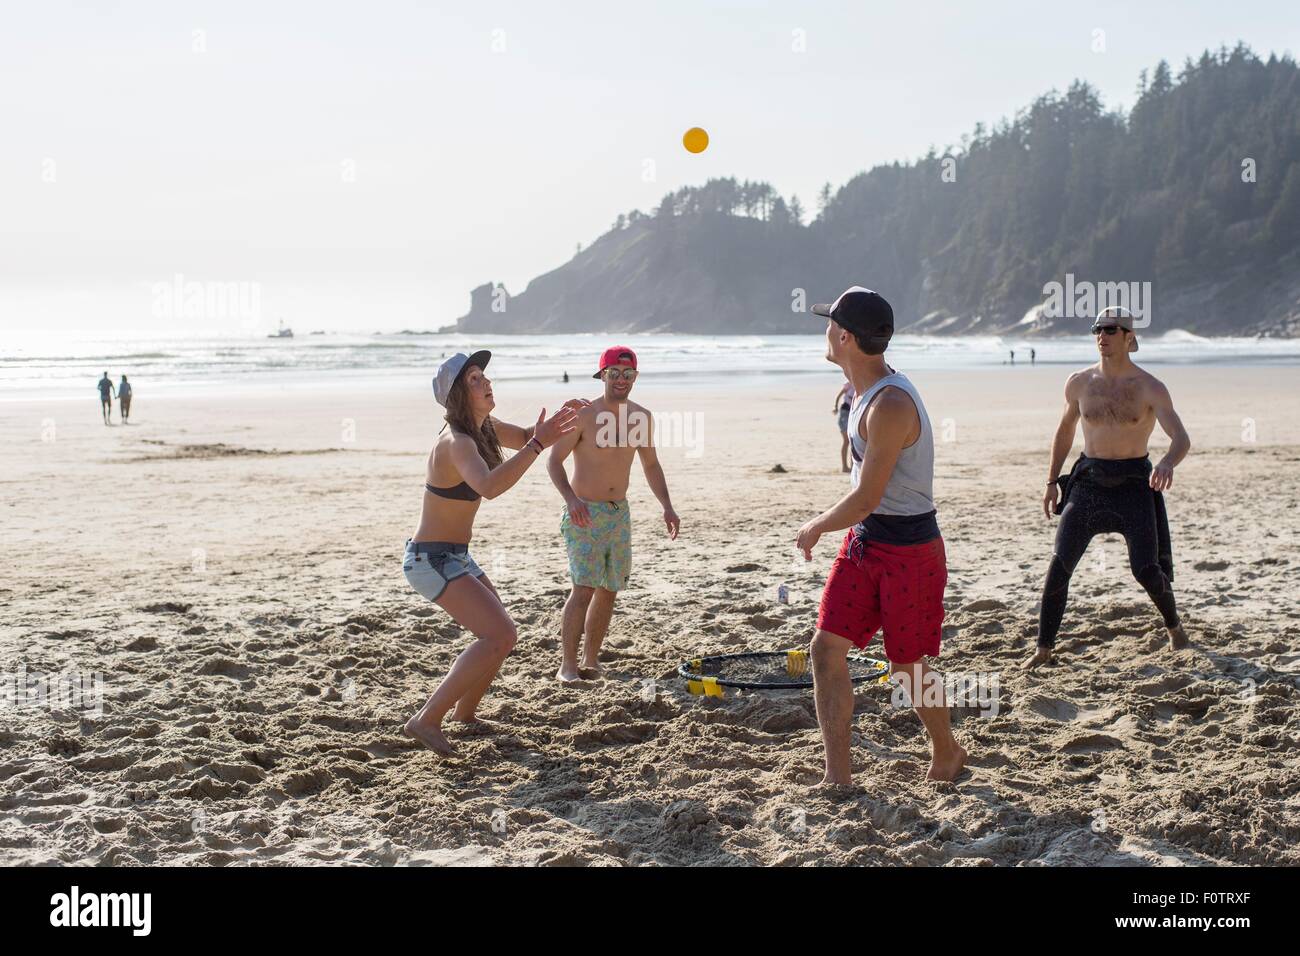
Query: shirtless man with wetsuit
x=596 y=523
x=1113 y=486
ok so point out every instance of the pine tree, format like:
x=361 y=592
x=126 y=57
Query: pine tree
x=1284 y=220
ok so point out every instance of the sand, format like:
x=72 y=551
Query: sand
x=231 y=569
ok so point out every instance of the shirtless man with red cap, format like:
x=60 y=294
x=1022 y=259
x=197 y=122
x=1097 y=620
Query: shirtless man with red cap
x=596 y=524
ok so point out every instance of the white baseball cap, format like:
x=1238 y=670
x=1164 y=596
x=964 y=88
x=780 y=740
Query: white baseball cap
x=1117 y=315
x=449 y=372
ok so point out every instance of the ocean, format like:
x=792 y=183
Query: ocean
x=31 y=368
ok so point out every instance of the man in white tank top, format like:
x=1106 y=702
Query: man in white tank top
x=891 y=568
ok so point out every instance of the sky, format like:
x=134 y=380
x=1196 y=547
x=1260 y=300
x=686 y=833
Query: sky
x=362 y=166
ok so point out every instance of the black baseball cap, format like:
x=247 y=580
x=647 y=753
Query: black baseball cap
x=862 y=312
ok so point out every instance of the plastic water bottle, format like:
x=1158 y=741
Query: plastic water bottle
x=783 y=594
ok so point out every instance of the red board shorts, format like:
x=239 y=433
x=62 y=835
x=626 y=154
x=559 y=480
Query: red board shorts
x=895 y=586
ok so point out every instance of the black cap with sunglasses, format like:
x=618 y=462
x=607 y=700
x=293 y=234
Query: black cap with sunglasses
x=1113 y=318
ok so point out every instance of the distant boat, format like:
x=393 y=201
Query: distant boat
x=284 y=333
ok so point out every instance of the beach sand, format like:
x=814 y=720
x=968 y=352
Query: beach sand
x=231 y=566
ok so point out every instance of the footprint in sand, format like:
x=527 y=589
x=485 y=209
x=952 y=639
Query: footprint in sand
x=62 y=746
x=1119 y=612
x=1162 y=686
x=167 y=607
x=985 y=604
x=306 y=783
x=1091 y=743
x=1053 y=708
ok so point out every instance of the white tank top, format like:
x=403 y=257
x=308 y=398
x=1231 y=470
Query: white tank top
x=911 y=486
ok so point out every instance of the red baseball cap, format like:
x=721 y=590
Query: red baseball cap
x=616 y=355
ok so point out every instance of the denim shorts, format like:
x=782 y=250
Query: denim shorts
x=430 y=566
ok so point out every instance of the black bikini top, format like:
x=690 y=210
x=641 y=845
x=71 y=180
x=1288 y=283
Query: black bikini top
x=461 y=492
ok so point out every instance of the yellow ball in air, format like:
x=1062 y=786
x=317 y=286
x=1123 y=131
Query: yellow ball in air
x=695 y=140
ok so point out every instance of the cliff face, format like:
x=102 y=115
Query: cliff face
x=638 y=281
x=706 y=274
x=1190 y=203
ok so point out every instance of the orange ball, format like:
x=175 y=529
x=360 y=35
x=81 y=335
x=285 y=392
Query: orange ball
x=695 y=140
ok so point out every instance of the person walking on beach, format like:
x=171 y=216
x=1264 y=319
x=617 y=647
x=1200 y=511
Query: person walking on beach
x=1112 y=486
x=596 y=523
x=891 y=568
x=106 y=398
x=1033 y=356
x=843 y=405
x=124 y=399
x=465 y=466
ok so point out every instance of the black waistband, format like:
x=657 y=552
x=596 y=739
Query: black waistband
x=898 y=529
x=437 y=547
x=1110 y=472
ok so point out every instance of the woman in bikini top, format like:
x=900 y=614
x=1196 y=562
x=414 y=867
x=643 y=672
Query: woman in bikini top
x=465 y=466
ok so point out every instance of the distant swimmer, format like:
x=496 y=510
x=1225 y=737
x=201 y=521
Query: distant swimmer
x=465 y=466
x=891 y=569
x=843 y=405
x=1113 y=487
x=106 y=398
x=124 y=399
x=597 y=522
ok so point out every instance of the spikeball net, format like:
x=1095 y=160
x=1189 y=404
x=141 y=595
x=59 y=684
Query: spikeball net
x=768 y=670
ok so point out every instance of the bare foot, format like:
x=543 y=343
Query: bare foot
x=431 y=737
x=827 y=783
x=470 y=721
x=949 y=767
x=591 y=670
x=1177 y=638
x=568 y=674
x=1042 y=656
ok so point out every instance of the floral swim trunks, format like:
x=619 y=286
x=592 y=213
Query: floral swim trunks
x=600 y=556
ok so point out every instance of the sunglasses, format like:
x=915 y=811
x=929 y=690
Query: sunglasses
x=614 y=374
x=1106 y=329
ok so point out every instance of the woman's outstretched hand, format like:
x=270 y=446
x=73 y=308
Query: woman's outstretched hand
x=547 y=430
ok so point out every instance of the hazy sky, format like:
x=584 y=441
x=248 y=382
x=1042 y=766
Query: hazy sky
x=364 y=165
